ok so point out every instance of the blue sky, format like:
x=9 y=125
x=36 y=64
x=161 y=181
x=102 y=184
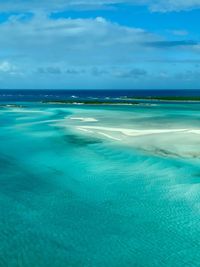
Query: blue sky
x=100 y=44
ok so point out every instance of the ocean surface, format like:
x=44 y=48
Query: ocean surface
x=98 y=186
x=38 y=95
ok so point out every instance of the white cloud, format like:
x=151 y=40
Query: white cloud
x=96 y=51
x=7 y=67
x=71 y=41
x=173 y=5
x=57 y=5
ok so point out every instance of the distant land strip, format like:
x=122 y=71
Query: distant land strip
x=91 y=102
x=165 y=98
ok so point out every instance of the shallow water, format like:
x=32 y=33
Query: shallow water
x=100 y=186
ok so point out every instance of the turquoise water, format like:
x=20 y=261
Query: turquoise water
x=100 y=186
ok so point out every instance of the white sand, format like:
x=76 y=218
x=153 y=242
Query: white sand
x=84 y=119
x=84 y=130
x=109 y=136
x=20 y=110
x=132 y=132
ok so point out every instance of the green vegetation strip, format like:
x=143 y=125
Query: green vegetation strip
x=90 y=102
x=167 y=98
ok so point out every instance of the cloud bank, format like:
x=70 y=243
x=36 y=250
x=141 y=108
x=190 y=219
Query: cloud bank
x=40 y=51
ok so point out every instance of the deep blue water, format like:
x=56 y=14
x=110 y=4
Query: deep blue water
x=37 y=95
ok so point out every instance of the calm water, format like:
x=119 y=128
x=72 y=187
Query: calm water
x=100 y=186
x=35 y=95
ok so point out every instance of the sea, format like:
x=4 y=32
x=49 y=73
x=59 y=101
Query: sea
x=37 y=95
x=99 y=185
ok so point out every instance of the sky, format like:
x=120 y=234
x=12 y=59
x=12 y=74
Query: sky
x=99 y=44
